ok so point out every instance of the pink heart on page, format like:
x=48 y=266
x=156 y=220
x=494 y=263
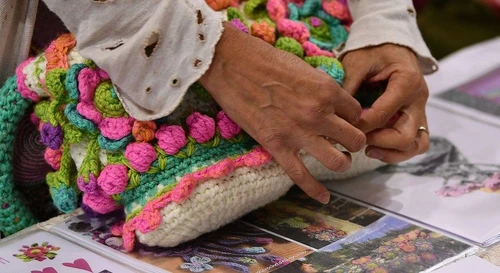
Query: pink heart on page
x=45 y=270
x=79 y=264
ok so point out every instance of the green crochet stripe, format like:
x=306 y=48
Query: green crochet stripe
x=14 y=215
x=148 y=188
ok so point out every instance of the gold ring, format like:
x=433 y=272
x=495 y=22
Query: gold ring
x=424 y=129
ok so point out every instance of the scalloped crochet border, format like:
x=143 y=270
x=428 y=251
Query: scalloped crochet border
x=150 y=219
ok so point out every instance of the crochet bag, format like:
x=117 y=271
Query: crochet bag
x=174 y=178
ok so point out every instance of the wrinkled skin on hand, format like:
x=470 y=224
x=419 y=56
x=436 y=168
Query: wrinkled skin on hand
x=406 y=94
x=286 y=105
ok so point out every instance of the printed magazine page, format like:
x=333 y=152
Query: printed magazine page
x=289 y=235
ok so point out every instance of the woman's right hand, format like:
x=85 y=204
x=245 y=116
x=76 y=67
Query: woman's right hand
x=285 y=105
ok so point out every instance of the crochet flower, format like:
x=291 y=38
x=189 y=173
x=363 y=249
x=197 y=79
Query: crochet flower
x=171 y=138
x=99 y=202
x=412 y=258
x=113 y=179
x=337 y=9
x=423 y=245
x=201 y=127
x=407 y=247
x=53 y=157
x=197 y=264
x=88 y=111
x=428 y=257
x=87 y=187
x=116 y=128
x=51 y=136
x=140 y=155
x=362 y=260
x=226 y=126
x=239 y=25
x=143 y=131
x=37 y=252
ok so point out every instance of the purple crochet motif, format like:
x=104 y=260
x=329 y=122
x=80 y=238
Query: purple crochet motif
x=90 y=212
x=87 y=187
x=315 y=22
x=51 y=136
x=239 y=25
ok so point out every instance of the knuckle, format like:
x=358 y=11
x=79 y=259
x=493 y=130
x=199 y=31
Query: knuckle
x=411 y=73
x=338 y=162
x=315 y=110
x=358 y=142
x=273 y=138
x=296 y=174
x=353 y=109
x=325 y=95
x=383 y=117
x=406 y=142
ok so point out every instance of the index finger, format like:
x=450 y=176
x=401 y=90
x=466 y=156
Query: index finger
x=389 y=103
x=295 y=169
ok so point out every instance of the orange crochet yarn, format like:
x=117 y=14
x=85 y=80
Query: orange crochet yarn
x=219 y=4
x=264 y=31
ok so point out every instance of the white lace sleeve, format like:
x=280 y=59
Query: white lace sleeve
x=389 y=21
x=153 y=50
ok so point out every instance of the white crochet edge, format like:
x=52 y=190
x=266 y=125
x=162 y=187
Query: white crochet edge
x=217 y=202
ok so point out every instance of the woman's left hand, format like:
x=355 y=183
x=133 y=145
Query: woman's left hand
x=406 y=94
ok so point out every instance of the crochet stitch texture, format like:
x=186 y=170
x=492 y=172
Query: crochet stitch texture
x=177 y=177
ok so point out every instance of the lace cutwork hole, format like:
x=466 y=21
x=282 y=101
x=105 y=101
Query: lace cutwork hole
x=199 y=17
x=151 y=44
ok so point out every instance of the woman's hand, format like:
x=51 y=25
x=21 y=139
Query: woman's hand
x=406 y=94
x=284 y=104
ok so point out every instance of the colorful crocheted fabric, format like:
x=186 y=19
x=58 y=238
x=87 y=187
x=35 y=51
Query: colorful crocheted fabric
x=177 y=177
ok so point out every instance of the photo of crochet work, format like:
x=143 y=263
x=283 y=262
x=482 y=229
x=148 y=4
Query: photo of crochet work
x=236 y=247
x=460 y=176
x=388 y=246
x=299 y=218
x=448 y=187
x=42 y=252
x=482 y=94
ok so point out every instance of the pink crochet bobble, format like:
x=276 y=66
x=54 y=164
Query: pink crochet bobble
x=140 y=155
x=53 y=157
x=171 y=138
x=88 y=79
x=277 y=9
x=99 y=202
x=116 y=128
x=113 y=179
x=293 y=29
x=201 y=127
x=88 y=110
x=337 y=10
x=227 y=128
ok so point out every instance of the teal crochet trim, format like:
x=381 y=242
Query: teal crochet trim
x=72 y=81
x=65 y=199
x=14 y=215
x=178 y=167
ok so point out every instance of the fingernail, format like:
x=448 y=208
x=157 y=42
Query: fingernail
x=375 y=154
x=324 y=198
